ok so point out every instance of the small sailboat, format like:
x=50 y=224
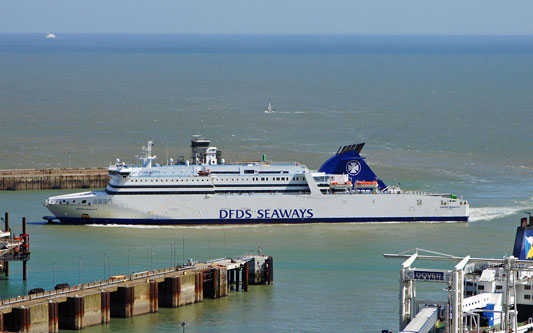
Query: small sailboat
x=269 y=108
x=50 y=35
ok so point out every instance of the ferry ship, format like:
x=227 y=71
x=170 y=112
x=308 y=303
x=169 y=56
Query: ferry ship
x=208 y=190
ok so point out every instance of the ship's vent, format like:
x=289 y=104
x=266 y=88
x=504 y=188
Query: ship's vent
x=357 y=147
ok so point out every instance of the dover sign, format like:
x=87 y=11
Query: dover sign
x=428 y=275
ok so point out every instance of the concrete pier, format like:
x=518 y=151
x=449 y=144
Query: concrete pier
x=96 y=303
x=43 y=179
x=134 y=300
x=177 y=291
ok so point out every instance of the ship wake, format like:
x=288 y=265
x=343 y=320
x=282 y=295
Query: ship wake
x=492 y=213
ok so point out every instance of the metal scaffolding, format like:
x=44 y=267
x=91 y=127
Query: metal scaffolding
x=457 y=316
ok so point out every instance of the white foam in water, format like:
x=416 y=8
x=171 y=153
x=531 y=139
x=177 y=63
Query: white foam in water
x=491 y=213
x=294 y=112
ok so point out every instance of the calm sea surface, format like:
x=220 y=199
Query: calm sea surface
x=440 y=114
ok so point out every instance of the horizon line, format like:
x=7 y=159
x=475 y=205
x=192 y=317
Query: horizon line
x=280 y=34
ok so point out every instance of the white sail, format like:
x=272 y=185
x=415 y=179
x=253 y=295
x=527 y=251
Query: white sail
x=269 y=108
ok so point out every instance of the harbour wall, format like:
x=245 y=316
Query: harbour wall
x=44 y=179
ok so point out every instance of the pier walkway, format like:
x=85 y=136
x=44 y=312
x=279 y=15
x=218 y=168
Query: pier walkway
x=123 y=296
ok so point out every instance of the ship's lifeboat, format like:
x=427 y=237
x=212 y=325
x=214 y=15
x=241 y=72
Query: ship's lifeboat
x=205 y=172
x=364 y=184
x=337 y=185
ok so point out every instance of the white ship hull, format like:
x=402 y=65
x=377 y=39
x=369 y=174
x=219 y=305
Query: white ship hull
x=260 y=208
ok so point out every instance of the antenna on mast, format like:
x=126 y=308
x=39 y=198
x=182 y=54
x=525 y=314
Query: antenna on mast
x=147 y=158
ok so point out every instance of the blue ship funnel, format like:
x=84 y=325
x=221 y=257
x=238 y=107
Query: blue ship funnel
x=523 y=244
x=348 y=161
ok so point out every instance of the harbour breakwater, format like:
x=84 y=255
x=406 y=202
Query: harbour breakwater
x=44 y=179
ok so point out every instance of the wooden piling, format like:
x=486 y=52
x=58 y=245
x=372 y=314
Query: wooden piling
x=245 y=277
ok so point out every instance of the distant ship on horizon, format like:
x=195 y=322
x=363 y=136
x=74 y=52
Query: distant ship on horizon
x=50 y=35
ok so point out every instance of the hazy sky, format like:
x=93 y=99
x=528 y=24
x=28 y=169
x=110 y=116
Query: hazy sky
x=272 y=16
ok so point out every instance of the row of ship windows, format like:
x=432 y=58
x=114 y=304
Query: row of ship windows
x=498 y=287
x=83 y=202
x=220 y=179
x=481 y=287
x=469 y=293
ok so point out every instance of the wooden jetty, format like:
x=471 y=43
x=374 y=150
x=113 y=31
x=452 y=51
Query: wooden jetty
x=43 y=179
x=122 y=296
x=14 y=248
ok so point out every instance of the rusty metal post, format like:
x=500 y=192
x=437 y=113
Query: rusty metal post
x=216 y=284
x=154 y=296
x=53 y=317
x=105 y=307
x=24 y=262
x=6 y=228
x=237 y=271
x=245 y=277
x=270 y=270
x=25 y=270
x=230 y=279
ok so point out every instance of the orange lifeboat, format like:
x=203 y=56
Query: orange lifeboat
x=343 y=185
x=365 y=184
x=204 y=172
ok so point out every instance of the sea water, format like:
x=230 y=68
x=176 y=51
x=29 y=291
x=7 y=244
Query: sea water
x=439 y=114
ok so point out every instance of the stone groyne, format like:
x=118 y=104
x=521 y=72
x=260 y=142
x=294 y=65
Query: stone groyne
x=44 y=179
